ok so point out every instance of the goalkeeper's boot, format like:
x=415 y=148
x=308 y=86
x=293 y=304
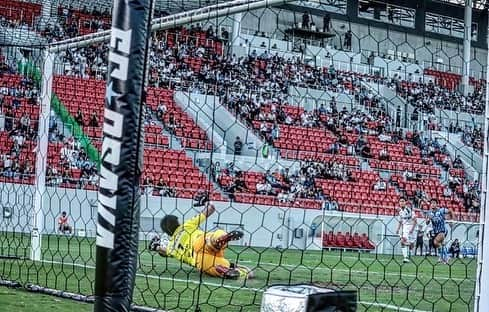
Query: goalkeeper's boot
x=155 y=243
x=231 y=236
x=228 y=273
x=245 y=272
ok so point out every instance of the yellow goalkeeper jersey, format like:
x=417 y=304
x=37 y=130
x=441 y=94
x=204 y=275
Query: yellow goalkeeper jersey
x=180 y=245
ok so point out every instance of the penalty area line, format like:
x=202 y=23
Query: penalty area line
x=355 y=271
x=87 y=266
x=377 y=304
x=391 y=307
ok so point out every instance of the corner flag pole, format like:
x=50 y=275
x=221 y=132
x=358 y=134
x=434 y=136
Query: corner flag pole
x=122 y=157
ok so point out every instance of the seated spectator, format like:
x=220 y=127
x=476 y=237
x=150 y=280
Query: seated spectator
x=18 y=139
x=171 y=125
x=238 y=146
x=334 y=148
x=93 y=120
x=148 y=185
x=238 y=185
x=380 y=185
x=164 y=190
x=264 y=188
x=25 y=123
x=384 y=154
x=7 y=166
x=408 y=150
x=455 y=249
x=457 y=162
x=408 y=175
x=264 y=129
x=63 y=225
x=285 y=197
x=454 y=182
x=329 y=204
x=275 y=131
x=362 y=148
x=215 y=171
x=273 y=181
x=79 y=118
x=446 y=163
x=385 y=138
x=447 y=192
x=365 y=152
x=161 y=111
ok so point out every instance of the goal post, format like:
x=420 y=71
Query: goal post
x=122 y=157
x=42 y=155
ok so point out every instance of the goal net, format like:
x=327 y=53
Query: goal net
x=305 y=123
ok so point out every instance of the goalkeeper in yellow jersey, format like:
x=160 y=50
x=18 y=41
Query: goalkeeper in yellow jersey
x=202 y=250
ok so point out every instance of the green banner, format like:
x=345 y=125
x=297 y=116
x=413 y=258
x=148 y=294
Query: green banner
x=29 y=69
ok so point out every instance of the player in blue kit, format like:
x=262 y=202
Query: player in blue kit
x=437 y=216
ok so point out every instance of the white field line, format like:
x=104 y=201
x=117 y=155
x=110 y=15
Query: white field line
x=376 y=304
x=355 y=271
x=343 y=270
x=390 y=307
x=87 y=266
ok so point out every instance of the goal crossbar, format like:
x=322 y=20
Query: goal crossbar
x=174 y=20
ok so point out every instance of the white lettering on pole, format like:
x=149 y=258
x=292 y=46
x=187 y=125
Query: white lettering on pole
x=122 y=63
x=120 y=41
x=111 y=149
x=106 y=203
x=108 y=179
x=120 y=44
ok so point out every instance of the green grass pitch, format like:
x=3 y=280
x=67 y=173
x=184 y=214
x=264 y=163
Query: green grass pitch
x=383 y=282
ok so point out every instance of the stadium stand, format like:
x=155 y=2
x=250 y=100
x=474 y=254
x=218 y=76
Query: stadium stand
x=18 y=13
x=349 y=159
x=300 y=133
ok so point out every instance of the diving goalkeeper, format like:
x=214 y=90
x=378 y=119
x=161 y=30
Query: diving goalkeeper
x=202 y=250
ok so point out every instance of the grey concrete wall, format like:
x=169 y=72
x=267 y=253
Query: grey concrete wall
x=206 y=109
x=264 y=226
x=313 y=98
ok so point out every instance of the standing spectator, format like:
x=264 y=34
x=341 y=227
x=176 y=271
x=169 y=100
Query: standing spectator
x=216 y=171
x=224 y=34
x=171 y=125
x=326 y=23
x=25 y=122
x=306 y=20
x=419 y=240
x=431 y=246
x=79 y=118
x=348 y=38
x=238 y=146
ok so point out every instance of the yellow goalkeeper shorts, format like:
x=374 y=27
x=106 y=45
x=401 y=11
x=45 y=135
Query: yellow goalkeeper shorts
x=208 y=259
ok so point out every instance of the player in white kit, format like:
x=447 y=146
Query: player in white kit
x=406 y=228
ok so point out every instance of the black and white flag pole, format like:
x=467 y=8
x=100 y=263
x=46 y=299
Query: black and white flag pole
x=121 y=157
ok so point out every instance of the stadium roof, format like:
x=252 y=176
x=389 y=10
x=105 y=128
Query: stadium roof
x=478 y=4
x=177 y=6
x=168 y=6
